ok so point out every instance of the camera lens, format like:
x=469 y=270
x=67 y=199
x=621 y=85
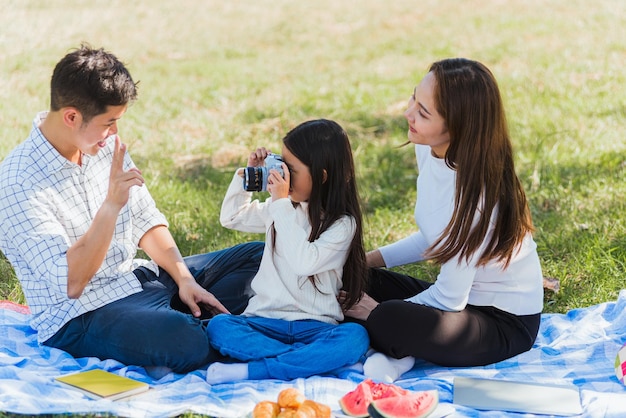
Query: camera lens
x=253 y=179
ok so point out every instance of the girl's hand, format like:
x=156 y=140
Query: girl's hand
x=257 y=158
x=277 y=185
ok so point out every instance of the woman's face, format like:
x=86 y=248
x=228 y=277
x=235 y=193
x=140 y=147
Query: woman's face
x=426 y=126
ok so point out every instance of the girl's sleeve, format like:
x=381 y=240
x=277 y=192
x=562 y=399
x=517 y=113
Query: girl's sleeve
x=407 y=250
x=240 y=212
x=328 y=252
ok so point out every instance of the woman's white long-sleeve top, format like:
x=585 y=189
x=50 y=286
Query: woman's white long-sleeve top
x=281 y=288
x=518 y=289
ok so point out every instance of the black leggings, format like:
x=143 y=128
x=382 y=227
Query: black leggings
x=475 y=336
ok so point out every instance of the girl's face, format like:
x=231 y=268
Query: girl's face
x=426 y=126
x=301 y=182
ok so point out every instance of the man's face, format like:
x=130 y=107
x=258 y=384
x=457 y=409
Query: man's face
x=91 y=135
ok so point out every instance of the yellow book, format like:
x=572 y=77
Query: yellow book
x=99 y=383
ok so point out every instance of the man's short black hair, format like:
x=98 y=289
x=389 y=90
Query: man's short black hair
x=91 y=80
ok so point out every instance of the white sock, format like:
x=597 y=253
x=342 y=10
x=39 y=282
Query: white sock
x=226 y=372
x=386 y=369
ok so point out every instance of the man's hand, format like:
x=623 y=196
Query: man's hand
x=121 y=181
x=160 y=246
x=192 y=295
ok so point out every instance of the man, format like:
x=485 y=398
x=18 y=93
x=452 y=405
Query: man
x=74 y=209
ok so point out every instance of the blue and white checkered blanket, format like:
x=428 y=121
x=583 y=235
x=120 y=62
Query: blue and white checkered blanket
x=578 y=347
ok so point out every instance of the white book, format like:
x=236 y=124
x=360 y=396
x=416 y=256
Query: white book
x=513 y=396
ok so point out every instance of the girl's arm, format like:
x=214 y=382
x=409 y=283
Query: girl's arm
x=239 y=212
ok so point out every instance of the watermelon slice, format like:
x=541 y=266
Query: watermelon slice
x=355 y=403
x=412 y=405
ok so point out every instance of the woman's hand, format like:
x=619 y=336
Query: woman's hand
x=374 y=259
x=362 y=309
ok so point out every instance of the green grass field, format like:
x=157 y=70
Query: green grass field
x=219 y=78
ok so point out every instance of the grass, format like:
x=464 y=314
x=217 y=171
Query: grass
x=220 y=78
x=223 y=78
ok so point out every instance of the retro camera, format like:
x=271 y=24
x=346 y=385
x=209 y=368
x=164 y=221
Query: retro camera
x=255 y=178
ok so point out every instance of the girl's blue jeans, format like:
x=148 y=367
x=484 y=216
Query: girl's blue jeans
x=146 y=329
x=279 y=349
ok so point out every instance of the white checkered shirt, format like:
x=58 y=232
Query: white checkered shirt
x=46 y=204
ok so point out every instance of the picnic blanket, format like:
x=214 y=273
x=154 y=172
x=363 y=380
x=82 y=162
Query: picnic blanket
x=574 y=348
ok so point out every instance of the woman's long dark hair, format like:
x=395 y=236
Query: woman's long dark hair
x=323 y=146
x=467 y=97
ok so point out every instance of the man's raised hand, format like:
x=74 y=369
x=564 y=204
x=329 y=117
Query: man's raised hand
x=121 y=181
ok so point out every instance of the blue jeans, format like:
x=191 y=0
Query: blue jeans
x=146 y=329
x=279 y=349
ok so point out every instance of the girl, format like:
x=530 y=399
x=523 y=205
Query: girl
x=313 y=249
x=473 y=221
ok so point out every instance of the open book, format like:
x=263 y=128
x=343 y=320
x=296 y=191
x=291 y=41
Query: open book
x=99 y=383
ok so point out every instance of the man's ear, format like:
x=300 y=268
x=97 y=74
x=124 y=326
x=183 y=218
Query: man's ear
x=324 y=176
x=72 y=117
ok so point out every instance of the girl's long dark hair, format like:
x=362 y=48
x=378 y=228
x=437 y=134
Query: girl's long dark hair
x=480 y=150
x=323 y=146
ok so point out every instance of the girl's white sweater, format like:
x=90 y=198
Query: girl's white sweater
x=281 y=288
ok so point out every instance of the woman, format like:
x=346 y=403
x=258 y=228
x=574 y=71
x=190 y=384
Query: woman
x=473 y=221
